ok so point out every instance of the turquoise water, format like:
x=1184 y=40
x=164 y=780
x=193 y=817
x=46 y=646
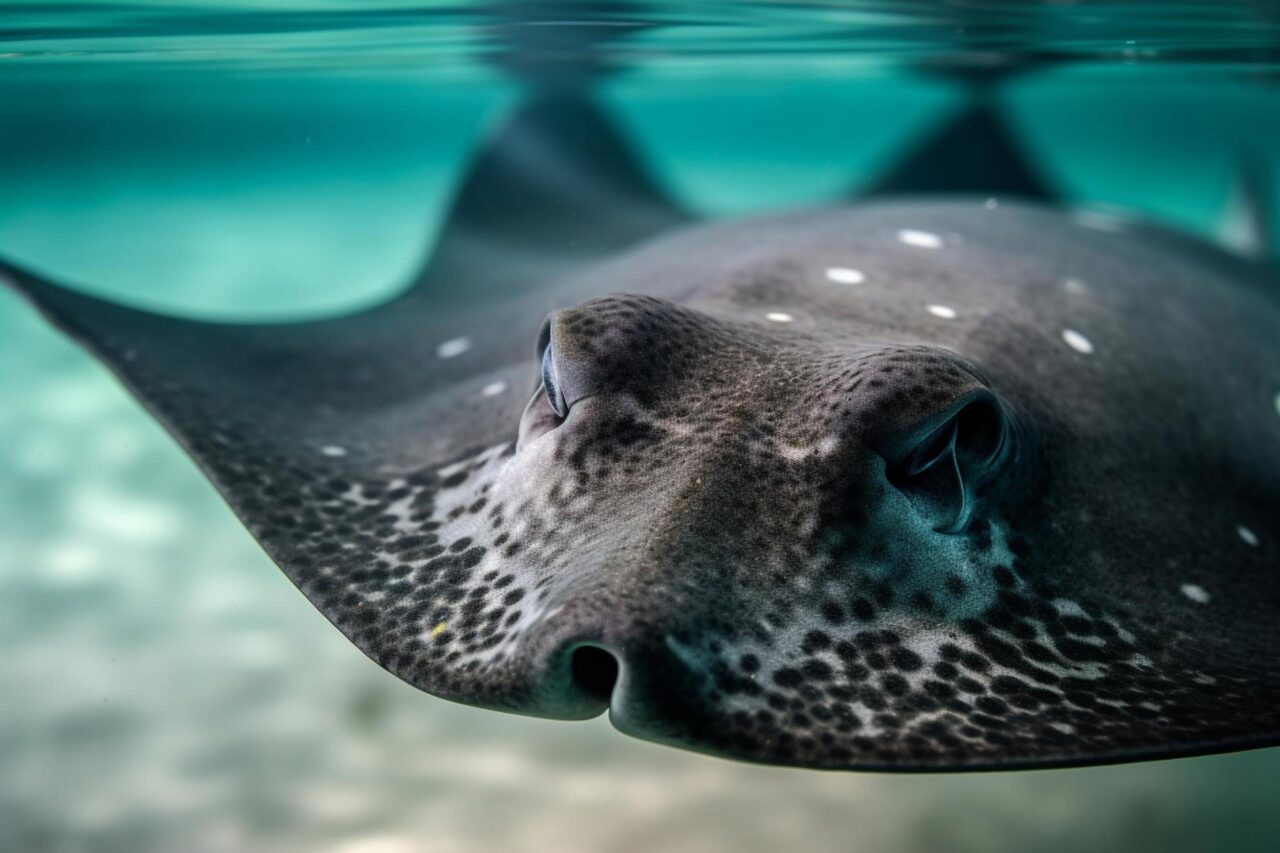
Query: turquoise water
x=163 y=687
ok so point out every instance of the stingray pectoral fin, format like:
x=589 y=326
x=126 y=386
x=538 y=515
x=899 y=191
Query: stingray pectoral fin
x=556 y=184
x=329 y=380
x=974 y=152
x=311 y=431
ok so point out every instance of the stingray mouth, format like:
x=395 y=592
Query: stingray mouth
x=652 y=685
x=581 y=682
x=595 y=672
x=648 y=690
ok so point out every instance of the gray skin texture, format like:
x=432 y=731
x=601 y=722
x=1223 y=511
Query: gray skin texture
x=1008 y=501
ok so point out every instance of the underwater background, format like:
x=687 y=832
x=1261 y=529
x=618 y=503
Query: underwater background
x=164 y=687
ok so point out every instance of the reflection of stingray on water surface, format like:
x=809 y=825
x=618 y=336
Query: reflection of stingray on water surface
x=947 y=477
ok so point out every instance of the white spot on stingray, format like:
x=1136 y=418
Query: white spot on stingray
x=1249 y=537
x=778 y=317
x=453 y=347
x=845 y=275
x=1074 y=286
x=942 y=311
x=991 y=204
x=493 y=389
x=920 y=239
x=1195 y=593
x=449 y=470
x=333 y=450
x=1077 y=341
x=1067 y=607
x=1277 y=402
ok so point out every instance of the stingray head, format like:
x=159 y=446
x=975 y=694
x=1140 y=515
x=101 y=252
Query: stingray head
x=724 y=531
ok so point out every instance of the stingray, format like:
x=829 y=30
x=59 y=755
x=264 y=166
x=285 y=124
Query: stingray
x=947 y=475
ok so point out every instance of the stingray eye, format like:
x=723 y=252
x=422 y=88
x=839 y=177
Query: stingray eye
x=944 y=472
x=551 y=382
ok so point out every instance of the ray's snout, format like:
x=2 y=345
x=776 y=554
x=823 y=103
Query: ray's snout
x=639 y=673
x=713 y=511
x=576 y=680
x=592 y=664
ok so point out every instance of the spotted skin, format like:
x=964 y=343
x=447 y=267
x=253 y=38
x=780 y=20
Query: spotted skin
x=933 y=484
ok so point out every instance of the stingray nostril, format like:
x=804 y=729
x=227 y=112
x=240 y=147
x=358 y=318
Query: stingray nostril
x=595 y=672
x=949 y=467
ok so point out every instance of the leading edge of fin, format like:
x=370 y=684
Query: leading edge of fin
x=973 y=152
